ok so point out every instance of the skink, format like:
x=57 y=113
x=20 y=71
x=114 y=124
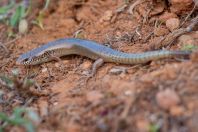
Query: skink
x=92 y=50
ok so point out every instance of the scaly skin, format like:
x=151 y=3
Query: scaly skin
x=92 y=50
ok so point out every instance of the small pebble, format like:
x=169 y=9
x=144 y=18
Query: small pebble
x=158 y=8
x=186 y=40
x=86 y=65
x=160 y=31
x=107 y=16
x=44 y=70
x=167 y=99
x=176 y=111
x=128 y=93
x=166 y=15
x=172 y=24
x=118 y=70
x=57 y=64
x=86 y=72
x=55 y=103
x=180 y=6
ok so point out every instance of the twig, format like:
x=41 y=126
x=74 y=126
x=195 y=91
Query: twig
x=128 y=106
x=9 y=42
x=137 y=32
x=121 y=9
x=170 y=38
x=193 y=24
x=134 y=5
x=148 y=36
x=145 y=18
x=5 y=48
x=29 y=101
x=124 y=114
x=75 y=35
x=188 y=16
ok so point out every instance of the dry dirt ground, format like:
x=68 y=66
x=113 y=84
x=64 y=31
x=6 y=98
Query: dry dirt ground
x=159 y=96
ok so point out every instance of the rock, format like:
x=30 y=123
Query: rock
x=160 y=31
x=107 y=16
x=23 y=26
x=86 y=65
x=176 y=111
x=186 y=40
x=172 y=24
x=158 y=8
x=167 y=15
x=44 y=70
x=167 y=98
x=181 y=6
x=118 y=70
x=57 y=64
x=128 y=93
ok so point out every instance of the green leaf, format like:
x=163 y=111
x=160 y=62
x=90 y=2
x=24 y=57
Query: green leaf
x=15 y=72
x=5 y=9
x=29 y=127
x=154 y=128
x=1 y=129
x=22 y=12
x=28 y=83
x=33 y=116
x=18 y=112
x=15 y=17
x=8 y=82
x=17 y=121
x=189 y=47
x=3 y=117
x=39 y=20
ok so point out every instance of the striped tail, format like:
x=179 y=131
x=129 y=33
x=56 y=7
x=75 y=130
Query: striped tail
x=185 y=54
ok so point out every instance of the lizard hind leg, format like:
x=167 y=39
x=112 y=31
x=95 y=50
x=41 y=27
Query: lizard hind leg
x=99 y=62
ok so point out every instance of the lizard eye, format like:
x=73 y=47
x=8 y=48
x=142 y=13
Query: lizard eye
x=26 y=59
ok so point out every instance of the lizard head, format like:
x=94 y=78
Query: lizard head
x=34 y=57
x=46 y=52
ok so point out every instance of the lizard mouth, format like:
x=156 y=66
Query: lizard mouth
x=22 y=61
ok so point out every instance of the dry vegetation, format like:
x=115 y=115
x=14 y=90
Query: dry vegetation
x=158 y=96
